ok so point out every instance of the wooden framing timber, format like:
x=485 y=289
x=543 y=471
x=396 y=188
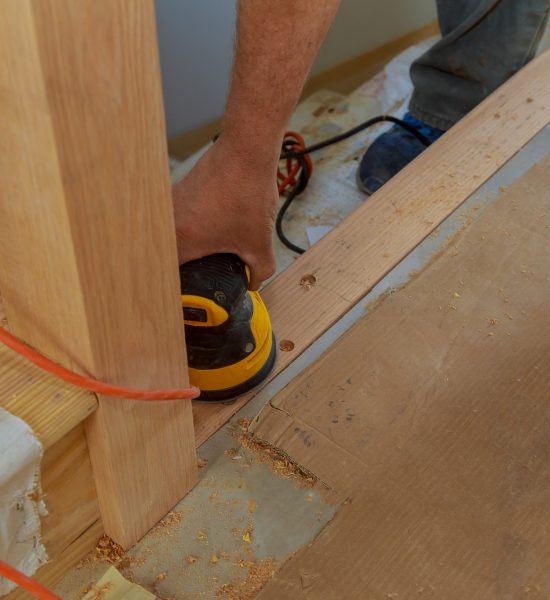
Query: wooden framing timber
x=88 y=264
x=349 y=261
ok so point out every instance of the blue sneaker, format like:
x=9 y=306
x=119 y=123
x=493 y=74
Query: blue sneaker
x=392 y=151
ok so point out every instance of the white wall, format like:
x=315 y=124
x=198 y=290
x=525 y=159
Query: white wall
x=196 y=47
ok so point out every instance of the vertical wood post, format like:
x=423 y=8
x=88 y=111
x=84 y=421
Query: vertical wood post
x=88 y=265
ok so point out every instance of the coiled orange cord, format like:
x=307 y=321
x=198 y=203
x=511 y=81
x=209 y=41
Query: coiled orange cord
x=26 y=583
x=93 y=385
x=292 y=142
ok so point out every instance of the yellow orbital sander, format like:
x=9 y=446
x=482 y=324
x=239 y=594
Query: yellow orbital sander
x=228 y=334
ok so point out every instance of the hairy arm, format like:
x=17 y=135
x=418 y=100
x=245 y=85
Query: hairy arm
x=227 y=202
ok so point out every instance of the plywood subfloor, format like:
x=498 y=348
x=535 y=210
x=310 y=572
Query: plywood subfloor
x=432 y=415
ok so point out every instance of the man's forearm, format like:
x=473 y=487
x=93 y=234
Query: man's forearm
x=227 y=201
x=276 y=45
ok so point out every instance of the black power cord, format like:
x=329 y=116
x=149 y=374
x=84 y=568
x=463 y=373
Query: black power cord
x=303 y=177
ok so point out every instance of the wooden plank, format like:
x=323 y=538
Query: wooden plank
x=440 y=395
x=349 y=261
x=52 y=408
x=88 y=264
x=3 y=319
x=69 y=492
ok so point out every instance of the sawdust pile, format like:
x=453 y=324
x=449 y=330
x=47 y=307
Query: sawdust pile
x=172 y=518
x=274 y=458
x=106 y=550
x=245 y=588
x=110 y=552
x=278 y=462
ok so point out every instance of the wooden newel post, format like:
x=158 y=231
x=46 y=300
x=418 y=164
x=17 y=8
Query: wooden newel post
x=88 y=265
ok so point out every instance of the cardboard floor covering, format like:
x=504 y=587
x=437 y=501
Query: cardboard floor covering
x=432 y=414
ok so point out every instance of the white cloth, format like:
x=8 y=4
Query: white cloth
x=20 y=503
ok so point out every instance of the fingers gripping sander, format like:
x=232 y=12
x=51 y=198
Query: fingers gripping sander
x=230 y=343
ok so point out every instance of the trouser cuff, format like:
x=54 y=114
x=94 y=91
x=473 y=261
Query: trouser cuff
x=433 y=120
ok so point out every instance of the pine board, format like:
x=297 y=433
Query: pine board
x=52 y=408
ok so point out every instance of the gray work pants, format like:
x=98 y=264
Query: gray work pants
x=484 y=42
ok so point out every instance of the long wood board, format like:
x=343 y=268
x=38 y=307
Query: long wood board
x=351 y=259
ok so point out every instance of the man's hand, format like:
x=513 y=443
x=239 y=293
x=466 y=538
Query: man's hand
x=227 y=203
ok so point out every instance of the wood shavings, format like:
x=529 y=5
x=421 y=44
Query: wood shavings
x=258 y=574
x=172 y=517
x=165 y=526
x=202 y=535
x=308 y=281
x=214 y=559
x=161 y=576
x=106 y=550
x=493 y=322
x=278 y=461
x=201 y=462
x=191 y=559
x=244 y=424
x=286 y=345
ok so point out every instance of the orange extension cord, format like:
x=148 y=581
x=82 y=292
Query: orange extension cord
x=26 y=583
x=292 y=141
x=93 y=385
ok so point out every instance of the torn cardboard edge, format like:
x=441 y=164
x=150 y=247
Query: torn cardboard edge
x=113 y=586
x=432 y=413
x=20 y=503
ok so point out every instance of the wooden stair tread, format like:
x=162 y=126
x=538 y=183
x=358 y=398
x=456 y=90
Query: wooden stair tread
x=51 y=407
